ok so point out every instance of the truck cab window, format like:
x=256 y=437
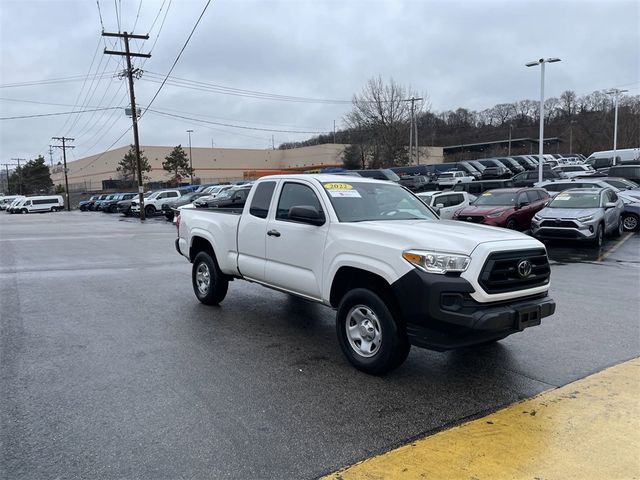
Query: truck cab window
x=295 y=194
x=262 y=199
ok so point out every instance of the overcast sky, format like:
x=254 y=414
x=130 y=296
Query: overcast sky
x=461 y=54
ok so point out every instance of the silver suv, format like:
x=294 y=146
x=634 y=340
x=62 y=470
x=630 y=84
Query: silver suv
x=580 y=214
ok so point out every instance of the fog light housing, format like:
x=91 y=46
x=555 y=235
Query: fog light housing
x=591 y=228
x=451 y=301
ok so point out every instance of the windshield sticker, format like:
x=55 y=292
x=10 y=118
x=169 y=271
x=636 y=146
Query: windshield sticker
x=486 y=194
x=344 y=193
x=563 y=196
x=338 y=186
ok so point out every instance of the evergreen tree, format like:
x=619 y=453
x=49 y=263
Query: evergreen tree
x=34 y=177
x=128 y=166
x=177 y=164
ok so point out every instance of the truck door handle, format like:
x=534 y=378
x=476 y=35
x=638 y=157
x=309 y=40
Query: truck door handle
x=273 y=233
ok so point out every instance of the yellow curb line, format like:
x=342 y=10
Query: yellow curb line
x=588 y=429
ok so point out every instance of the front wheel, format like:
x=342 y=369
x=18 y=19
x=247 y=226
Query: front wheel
x=512 y=224
x=209 y=283
x=599 y=238
x=369 y=333
x=149 y=210
x=619 y=228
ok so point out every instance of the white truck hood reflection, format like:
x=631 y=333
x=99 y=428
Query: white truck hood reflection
x=442 y=235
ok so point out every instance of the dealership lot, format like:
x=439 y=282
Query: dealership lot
x=112 y=369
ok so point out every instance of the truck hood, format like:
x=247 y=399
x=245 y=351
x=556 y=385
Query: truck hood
x=442 y=235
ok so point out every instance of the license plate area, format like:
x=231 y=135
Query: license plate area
x=527 y=317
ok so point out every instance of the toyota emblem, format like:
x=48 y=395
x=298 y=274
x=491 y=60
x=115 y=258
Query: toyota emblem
x=524 y=268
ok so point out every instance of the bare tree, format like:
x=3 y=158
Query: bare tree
x=382 y=114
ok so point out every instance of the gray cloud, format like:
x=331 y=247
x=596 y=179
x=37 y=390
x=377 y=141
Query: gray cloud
x=462 y=53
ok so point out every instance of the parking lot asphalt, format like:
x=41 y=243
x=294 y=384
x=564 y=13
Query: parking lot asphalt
x=110 y=367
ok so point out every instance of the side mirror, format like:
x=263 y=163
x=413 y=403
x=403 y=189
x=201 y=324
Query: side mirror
x=306 y=214
x=609 y=205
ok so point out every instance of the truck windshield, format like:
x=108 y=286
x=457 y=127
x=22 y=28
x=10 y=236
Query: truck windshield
x=363 y=202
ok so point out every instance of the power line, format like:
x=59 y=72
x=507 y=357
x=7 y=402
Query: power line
x=22 y=100
x=57 y=113
x=234 y=126
x=160 y=29
x=73 y=78
x=204 y=86
x=179 y=54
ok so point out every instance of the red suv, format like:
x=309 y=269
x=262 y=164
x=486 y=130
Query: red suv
x=505 y=207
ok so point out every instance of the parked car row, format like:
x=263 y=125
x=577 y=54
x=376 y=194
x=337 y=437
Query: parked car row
x=32 y=204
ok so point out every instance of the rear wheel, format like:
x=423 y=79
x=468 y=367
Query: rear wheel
x=630 y=222
x=209 y=284
x=369 y=333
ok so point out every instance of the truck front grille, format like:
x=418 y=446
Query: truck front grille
x=515 y=270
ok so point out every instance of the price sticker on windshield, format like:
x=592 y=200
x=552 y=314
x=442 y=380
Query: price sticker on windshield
x=338 y=186
x=341 y=190
x=486 y=194
x=563 y=196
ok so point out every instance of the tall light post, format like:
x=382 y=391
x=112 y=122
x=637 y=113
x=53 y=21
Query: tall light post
x=616 y=95
x=510 y=130
x=542 y=63
x=190 y=160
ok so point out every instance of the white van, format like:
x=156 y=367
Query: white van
x=604 y=159
x=44 y=203
x=8 y=200
x=15 y=202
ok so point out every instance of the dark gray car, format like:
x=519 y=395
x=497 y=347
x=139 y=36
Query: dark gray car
x=580 y=214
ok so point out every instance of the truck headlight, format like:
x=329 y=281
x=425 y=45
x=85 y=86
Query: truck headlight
x=437 y=262
x=585 y=219
x=537 y=217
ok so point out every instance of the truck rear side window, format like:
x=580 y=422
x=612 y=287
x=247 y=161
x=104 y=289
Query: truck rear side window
x=262 y=199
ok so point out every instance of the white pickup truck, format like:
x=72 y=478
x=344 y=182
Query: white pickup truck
x=396 y=274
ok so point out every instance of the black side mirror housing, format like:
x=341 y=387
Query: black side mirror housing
x=306 y=214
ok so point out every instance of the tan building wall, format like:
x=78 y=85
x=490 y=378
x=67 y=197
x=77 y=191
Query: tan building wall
x=210 y=164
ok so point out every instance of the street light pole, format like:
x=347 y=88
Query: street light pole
x=510 y=128
x=190 y=159
x=616 y=95
x=542 y=63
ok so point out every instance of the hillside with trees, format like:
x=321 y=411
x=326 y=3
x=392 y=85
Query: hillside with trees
x=378 y=125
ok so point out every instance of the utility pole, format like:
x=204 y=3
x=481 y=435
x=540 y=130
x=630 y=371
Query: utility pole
x=51 y=156
x=190 y=160
x=134 y=113
x=6 y=165
x=334 y=131
x=413 y=130
x=510 y=129
x=64 y=147
x=273 y=144
x=19 y=172
x=616 y=95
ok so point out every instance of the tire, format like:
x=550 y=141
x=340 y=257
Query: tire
x=149 y=210
x=363 y=316
x=599 y=238
x=512 y=224
x=209 y=284
x=169 y=217
x=619 y=229
x=24 y=210
x=630 y=222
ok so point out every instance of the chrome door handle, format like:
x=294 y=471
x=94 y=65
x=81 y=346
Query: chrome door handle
x=273 y=233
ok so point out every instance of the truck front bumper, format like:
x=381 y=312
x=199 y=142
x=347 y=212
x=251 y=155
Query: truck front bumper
x=441 y=315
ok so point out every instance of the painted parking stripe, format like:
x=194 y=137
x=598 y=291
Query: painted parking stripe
x=589 y=429
x=615 y=247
